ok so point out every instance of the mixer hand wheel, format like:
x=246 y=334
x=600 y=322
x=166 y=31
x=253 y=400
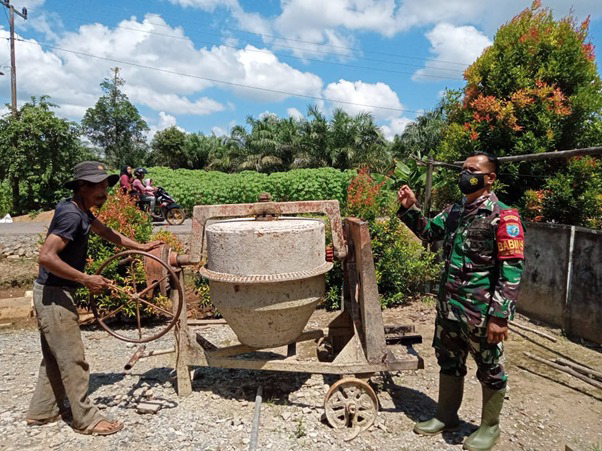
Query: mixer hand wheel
x=135 y=293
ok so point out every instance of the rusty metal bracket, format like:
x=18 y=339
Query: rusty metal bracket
x=202 y=213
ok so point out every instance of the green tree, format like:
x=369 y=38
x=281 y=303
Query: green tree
x=356 y=141
x=115 y=127
x=421 y=137
x=536 y=89
x=168 y=148
x=38 y=151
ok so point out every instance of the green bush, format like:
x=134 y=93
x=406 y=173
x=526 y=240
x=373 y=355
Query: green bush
x=198 y=187
x=403 y=266
x=575 y=195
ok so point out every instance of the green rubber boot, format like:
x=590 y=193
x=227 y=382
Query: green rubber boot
x=451 y=389
x=488 y=433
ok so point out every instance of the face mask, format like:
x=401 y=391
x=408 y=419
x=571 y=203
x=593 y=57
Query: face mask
x=471 y=182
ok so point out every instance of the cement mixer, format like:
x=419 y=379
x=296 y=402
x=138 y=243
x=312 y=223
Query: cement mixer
x=266 y=270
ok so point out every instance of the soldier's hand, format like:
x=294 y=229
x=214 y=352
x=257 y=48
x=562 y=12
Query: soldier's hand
x=96 y=284
x=497 y=330
x=406 y=197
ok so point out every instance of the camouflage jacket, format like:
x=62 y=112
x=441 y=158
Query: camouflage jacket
x=483 y=250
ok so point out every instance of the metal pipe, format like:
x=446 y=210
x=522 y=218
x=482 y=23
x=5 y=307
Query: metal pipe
x=139 y=352
x=206 y=322
x=255 y=426
x=158 y=352
x=184 y=260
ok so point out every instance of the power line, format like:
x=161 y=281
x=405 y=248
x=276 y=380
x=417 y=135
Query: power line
x=396 y=55
x=213 y=80
x=267 y=52
x=296 y=48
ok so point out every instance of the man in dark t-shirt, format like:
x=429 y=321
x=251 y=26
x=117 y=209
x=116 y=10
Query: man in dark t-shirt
x=64 y=373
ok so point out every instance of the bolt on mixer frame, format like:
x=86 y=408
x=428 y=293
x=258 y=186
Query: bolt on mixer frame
x=355 y=345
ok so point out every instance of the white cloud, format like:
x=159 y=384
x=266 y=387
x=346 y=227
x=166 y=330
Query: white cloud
x=333 y=22
x=265 y=71
x=396 y=127
x=451 y=44
x=72 y=80
x=221 y=131
x=488 y=14
x=294 y=112
x=266 y=114
x=252 y=22
x=376 y=94
x=165 y=121
x=364 y=94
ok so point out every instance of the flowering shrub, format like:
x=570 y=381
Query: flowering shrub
x=366 y=198
x=402 y=265
x=169 y=239
x=536 y=89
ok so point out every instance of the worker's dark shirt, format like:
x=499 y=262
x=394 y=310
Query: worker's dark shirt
x=72 y=223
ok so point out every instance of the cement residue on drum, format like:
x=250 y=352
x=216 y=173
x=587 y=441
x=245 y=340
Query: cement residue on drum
x=265 y=247
x=266 y=314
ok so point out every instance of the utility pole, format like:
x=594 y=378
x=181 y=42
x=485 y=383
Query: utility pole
x=13 y=64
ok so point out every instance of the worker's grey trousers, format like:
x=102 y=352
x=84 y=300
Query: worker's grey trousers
x=64 y=371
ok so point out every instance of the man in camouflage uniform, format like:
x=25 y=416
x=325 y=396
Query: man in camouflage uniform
x=483 y=252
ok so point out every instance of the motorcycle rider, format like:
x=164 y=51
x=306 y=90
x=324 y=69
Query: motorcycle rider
x=141 y=190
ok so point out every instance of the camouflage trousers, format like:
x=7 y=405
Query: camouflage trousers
x=455 y=339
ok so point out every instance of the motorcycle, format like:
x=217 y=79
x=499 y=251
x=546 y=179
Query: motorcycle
x=166 y=208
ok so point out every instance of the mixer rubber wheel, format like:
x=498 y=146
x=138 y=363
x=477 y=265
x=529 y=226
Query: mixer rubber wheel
x=141 y=283
x=351 y=403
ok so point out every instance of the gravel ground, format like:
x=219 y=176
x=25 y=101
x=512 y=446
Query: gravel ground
x=540 y=413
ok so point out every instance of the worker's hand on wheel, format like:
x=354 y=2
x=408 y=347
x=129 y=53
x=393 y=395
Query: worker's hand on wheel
x=406 y=197
x=497 y=330
x=97 y=284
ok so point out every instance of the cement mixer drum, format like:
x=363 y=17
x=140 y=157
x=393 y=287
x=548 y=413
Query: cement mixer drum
x=266 y=277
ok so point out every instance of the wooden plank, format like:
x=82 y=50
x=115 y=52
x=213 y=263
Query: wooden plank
x=567 y=370
x=547 y=155
x=395 y=329
x=244 y=349
x=372 y=321
x=182 y=345
x=409 y=363
x=406 y=339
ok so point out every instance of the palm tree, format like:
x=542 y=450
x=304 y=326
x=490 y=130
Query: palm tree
x=420 y=137
x=262 y=146
x=313 y=143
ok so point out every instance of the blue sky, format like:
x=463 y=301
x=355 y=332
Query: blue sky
x=196 y=63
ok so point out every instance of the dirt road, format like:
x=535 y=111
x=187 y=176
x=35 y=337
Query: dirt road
x=545 y=409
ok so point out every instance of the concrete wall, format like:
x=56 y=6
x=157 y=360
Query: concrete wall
x=549 y=262
x=543 y=287
x=584 y=317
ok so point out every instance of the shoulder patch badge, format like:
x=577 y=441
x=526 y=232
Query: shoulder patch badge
x=510 y=236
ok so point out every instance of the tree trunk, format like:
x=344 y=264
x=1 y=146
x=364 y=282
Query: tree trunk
x=16 y=195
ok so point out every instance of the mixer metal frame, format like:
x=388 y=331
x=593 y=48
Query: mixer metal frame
x=355 y=343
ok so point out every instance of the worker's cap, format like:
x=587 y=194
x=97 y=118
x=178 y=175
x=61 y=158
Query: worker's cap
x=91 y=171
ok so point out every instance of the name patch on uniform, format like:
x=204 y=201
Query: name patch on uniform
x=510 y=236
